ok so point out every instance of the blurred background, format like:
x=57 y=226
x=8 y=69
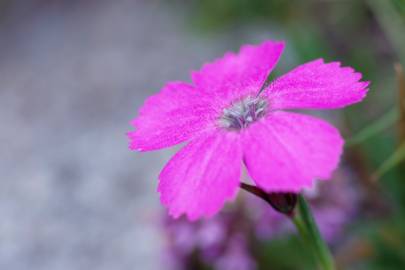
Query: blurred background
x=74 y=73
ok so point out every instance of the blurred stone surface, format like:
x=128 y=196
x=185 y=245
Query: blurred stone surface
x=72 y=75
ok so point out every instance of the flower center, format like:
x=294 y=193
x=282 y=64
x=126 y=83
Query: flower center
x=242 y=113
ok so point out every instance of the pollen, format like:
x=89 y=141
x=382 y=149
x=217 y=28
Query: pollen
x=242 y=113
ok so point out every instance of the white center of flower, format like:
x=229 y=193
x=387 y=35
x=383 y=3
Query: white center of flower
x=242 y=113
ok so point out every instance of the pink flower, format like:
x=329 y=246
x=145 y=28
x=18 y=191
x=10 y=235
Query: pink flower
x=226 y=122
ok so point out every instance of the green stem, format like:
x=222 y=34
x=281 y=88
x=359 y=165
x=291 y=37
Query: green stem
x=299 y=225
x=379 y=125
x=391 y=162
x=307 y=228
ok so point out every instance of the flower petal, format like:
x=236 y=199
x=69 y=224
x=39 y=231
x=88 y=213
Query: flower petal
x=236 y=73
x=288 y=151
x=202 y=175
x=317 y=85
x=172 y=116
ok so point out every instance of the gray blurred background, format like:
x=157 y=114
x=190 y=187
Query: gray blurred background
x=72 y=76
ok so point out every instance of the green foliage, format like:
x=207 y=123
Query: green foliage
x=274 y=253
x=368 y=35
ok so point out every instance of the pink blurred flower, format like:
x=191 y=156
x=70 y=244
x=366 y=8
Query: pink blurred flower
x=225 y=121
x=230 y=240
x=333 y=205
x=220 y=242
x=237 y=256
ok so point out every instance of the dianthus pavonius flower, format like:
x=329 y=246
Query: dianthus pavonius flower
x=228 y=120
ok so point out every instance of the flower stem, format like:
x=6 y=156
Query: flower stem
x=303 y=220
x=307 y=228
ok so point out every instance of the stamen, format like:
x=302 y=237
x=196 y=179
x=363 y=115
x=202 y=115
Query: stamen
x=242 y=113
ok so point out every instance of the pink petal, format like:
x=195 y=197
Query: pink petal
x=236 y=74
x=172 y=116
x=202 y=175
x=317 y=85
x=288 y=151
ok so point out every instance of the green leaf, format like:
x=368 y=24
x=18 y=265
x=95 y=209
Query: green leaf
x=385 y=121
x=391 y=162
